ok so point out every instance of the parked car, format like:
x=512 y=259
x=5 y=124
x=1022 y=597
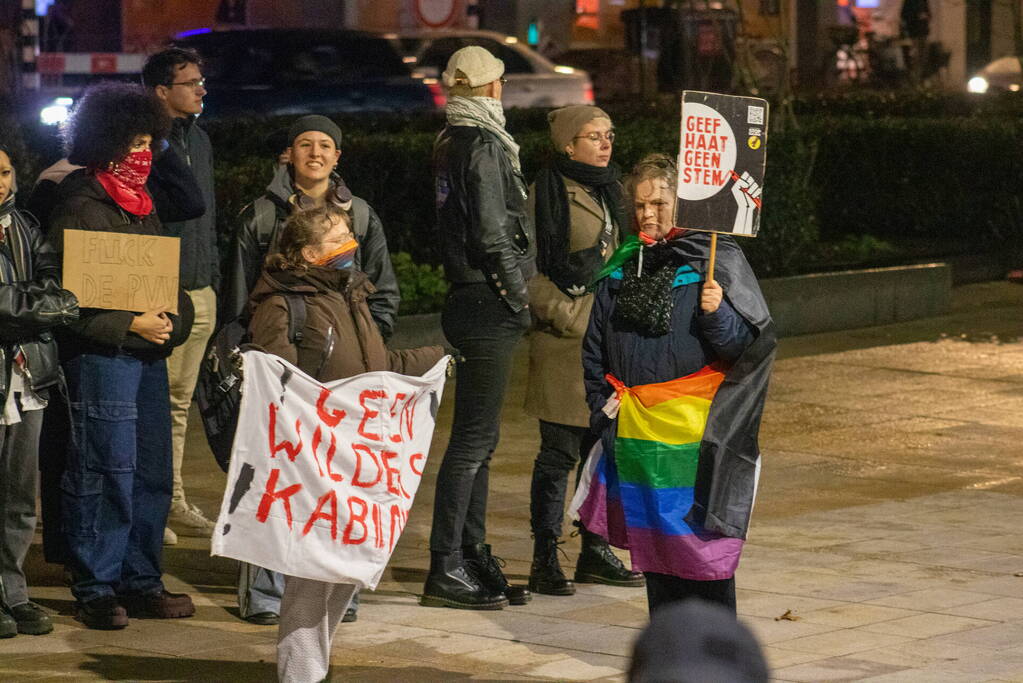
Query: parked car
x=279 y=72
x=1002 y=74
x=533 y=81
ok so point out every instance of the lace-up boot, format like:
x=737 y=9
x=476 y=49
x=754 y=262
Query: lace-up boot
x=480 y=561
x=545 y=575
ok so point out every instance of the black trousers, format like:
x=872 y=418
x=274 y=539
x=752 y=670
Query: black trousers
x=562 y=449
x=485 y=331
x=662 y=589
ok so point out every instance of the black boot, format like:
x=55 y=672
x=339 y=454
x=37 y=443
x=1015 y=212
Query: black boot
x=598 y=564
x=451 y=584
x=545 y=576
x=484 y=565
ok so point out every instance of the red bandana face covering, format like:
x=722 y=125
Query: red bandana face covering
x=126 y=182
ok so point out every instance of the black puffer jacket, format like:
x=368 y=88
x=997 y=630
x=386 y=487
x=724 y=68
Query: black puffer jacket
x=32 y=302
x=85 y=205
x=485 y=233
x=253 y=241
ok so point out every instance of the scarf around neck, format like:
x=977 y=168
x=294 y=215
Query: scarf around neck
x=126 y=182
x=486 y=113
x=570 y=272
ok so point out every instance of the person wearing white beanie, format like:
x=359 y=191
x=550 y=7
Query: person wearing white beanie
x=487 y=244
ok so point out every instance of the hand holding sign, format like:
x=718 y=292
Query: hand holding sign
x=153 y=326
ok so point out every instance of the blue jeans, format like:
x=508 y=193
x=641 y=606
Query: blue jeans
x=116 y=489
x=485 y=331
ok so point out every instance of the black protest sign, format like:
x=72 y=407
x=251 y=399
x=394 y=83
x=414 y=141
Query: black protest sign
x=722 y=155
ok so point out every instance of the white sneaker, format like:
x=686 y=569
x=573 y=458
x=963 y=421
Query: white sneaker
x=190 y=520
x=169 y=537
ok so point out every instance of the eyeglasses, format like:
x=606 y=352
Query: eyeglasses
x=194 y=84
x=597 y=137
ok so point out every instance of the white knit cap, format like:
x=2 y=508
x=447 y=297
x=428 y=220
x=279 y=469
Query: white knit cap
x=479 y=66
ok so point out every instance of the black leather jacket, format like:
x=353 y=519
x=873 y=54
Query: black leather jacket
x=32 y=303
x=486 y=235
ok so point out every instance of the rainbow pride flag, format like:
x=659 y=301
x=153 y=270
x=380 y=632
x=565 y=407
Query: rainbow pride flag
x=639 y=495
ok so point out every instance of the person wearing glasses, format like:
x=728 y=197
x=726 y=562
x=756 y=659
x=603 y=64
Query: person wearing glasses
x=578 y=209
x=487 y=244
x=340 y=339
x=174 y=77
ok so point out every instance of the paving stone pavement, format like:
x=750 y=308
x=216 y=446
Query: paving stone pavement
x=885 y=544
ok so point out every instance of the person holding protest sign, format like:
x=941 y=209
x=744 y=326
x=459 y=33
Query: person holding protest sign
x=32 y=303
x=578 y=210
x=487 y=245
x=309 y=179
x=339 y=339
x=676 y=369
x=116 y=489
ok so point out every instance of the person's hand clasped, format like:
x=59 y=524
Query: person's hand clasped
x=710 y=296
x=153 y=326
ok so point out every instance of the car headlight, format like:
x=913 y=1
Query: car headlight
x=977 y=84
x=57 y=112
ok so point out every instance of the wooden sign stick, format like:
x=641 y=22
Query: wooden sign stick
x=713 y=255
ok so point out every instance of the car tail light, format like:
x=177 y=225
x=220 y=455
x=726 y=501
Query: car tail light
x=588 y=93
x=440 y=100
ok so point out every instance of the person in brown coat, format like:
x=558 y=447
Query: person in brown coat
x=339 y=339
x=578 y=209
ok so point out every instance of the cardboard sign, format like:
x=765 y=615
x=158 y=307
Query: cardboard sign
x=122 y=272
x=323 y=476
x=721 y=161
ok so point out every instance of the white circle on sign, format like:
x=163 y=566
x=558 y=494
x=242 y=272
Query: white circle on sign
x=707 y=152
x=436 y=13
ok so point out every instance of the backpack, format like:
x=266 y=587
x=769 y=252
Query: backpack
x=218 y=391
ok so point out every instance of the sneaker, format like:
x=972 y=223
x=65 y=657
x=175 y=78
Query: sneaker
x=31 y=618
x=264 y=618
x=169 y=537
x=190 y=520
x=162 y=605
x=104 y=613
x=8 y=626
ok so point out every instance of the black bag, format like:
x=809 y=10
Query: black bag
x=218 y=391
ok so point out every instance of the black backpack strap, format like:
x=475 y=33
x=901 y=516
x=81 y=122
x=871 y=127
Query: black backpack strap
x=296 y=316
x=265 y=221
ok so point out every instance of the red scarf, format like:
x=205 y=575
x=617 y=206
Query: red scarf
x=126 y=182
x=672 y=234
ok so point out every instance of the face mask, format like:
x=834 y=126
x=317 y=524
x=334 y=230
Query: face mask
x=341 y=258
x=134 y=169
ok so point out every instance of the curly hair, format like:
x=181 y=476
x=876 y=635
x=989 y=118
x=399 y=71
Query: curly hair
x=652 y=167
x=161 y=67
x=304 y=228
x=107 y=119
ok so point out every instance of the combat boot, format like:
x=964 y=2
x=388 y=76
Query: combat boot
x=480 y=561
x=451 y=584
x=545 y=575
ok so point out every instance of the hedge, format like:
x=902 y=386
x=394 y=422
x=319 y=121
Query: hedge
x=850 y=184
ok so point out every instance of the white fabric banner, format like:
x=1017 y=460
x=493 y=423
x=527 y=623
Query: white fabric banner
x=323 y=476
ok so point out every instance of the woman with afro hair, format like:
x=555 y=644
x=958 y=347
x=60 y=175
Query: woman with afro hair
x=116 y=489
